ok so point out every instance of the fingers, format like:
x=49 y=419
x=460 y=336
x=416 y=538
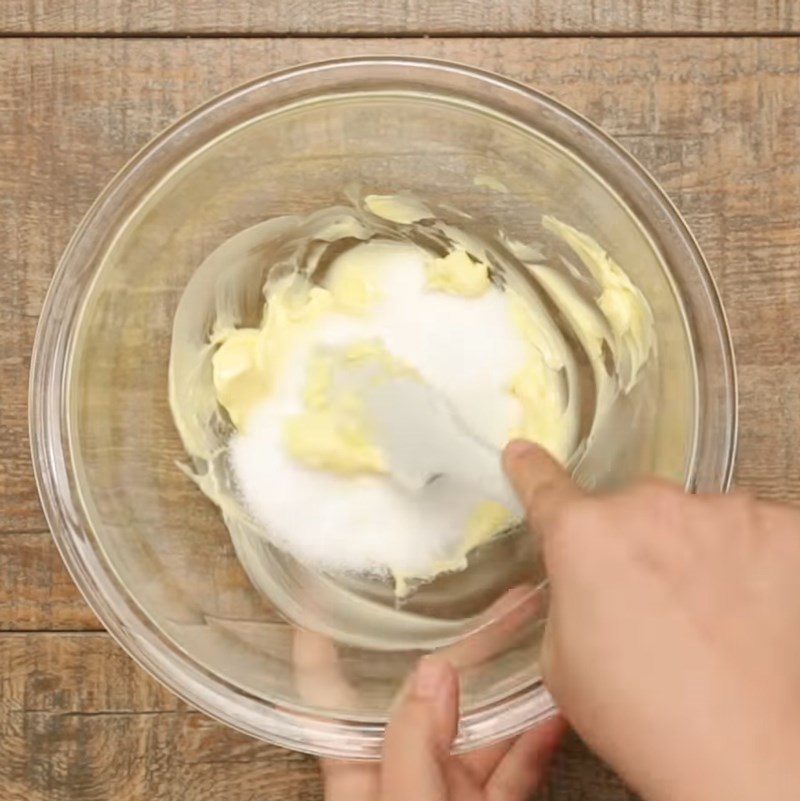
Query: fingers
x=349 y=781
x=317 y=672
x=523 y=769
x=497 y=627
x=420 y=733
x=321 y=681
x=541 y=483
x=483 y=762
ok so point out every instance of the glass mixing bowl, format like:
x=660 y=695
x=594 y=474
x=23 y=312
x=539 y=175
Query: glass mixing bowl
x=147 y=549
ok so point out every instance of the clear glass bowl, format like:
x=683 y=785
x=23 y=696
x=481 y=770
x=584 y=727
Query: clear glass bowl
x=152 y=555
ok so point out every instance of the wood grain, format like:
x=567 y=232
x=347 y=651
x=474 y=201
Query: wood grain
x=715 y=120
x=79 y=720
x=398 y=17
x=37 y=592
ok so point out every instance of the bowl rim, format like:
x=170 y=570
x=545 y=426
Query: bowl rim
x=119 y=612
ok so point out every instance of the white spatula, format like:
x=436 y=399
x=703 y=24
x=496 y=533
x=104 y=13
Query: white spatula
x=425 y=440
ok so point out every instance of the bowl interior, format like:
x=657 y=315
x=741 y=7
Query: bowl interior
x=164 y=543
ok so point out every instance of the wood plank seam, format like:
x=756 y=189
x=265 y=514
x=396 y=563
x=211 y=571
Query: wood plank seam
x=400 y=35
x=399 y=17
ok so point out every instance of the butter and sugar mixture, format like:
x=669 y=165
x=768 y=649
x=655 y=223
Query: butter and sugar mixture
x=501 y=334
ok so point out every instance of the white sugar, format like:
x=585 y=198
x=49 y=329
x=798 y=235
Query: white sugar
x=466 y=348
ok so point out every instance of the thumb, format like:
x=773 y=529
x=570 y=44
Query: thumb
x=420 y=733
x=544 y=487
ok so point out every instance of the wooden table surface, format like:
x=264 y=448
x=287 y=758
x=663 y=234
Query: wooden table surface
x=705 y=92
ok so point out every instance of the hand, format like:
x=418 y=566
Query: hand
x=673 y=638
x=417 y=765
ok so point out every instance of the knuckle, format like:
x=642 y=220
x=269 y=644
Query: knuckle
x=658 y=498
x=572 y=518
x=564 y=533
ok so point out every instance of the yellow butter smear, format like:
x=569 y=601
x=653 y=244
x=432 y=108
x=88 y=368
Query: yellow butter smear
x=329 y=432
x=333 y=433
x=247 y=360
x=458 y=274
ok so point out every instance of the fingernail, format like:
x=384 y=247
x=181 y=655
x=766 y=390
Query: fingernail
x=430 y=678
x=519 y=448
